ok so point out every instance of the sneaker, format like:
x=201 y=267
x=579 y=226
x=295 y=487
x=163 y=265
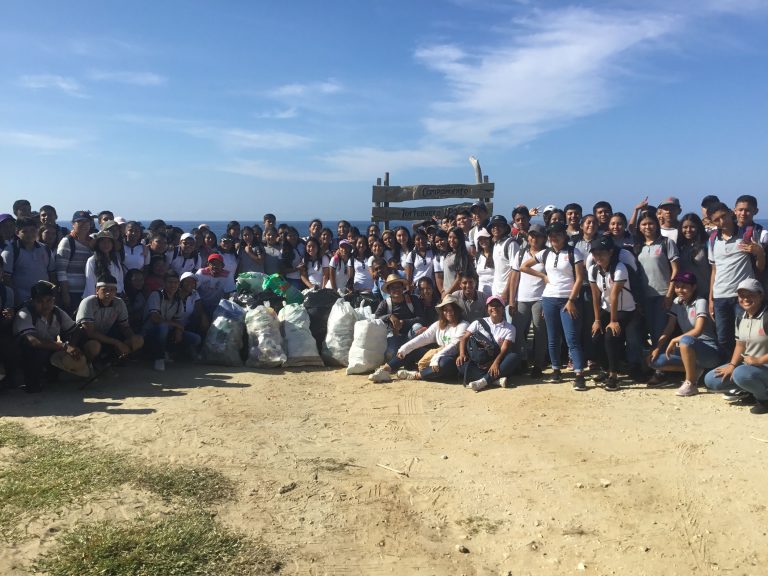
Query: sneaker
x=502 y=382
x=580 y=384
x=403 y=374
x=600 y=376
x=554 y=377
x=746 y=401
x=477 y=385
x=381 y=376
x=735 y=394
x=159 y=365
x=688 y=388
x=374 y=374
x=612 y=384
x=535 y=372
x=760 y=407
x=658 y=380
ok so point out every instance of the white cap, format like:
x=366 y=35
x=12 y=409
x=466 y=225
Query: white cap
x=549 y=208
x=751 y=285
x=185 y=236
x=187 y=275
x=482 y=233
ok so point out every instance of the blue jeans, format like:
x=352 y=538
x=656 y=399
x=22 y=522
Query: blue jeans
x=726 y=310
x=707 y=355
x=410 y=359
x=559 y=321
x=753 y=379
x=471 y=371
x=393 y=345
x=446 y=370
x=156 y=341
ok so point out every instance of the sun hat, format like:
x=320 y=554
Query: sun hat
x=685 y=278
x=395 y=279
x=103 y=234
x=751 y=285
x=120 y=220
x=215 y=256
x=65 y=362
x=448 y=299
x=604 y=242
x=107 y=224
x=186 y=275
x=494 y=297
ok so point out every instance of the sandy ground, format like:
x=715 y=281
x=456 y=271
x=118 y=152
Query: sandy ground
x=530 y=480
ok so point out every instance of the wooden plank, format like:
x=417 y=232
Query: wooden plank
x=431 y=192
x=419 y=212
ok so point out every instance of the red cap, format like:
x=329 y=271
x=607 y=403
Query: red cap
x=215 y=256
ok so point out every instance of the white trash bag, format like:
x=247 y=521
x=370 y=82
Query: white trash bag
x=300 y=345
x=265 y=343
x=368 y=346
x=341 y=333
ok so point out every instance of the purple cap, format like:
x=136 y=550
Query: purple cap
x=345 y=243
x=4 y=217
x=685 y=278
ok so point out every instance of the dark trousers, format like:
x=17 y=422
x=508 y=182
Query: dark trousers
x=726 y=310
x=446 y=370
x=471 y=371
x=410 y=359
x=34 y=362
x=610 y=347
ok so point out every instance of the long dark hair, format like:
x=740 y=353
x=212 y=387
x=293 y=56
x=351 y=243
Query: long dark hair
x=317 y=263
x=701 y=232
x=462 y=259
x=640 y=240
x=104 y=260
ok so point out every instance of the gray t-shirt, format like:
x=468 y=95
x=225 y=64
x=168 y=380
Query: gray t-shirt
x=655 y=265
x=103 y=317
x=731 y=265
x=27 y=322
x=169 y=308
x=696 y=261
x=686 y=315
x=31 y=266
x=753 y=332
x=272 y=256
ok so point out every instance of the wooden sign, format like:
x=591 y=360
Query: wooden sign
x=431 y=192
x=419 y=212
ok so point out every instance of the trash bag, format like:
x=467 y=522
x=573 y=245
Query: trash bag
x=341 y=332
x=368 y=346
x=224 y=339
x=318 y=304
x=300 y=346
x=366 y=299
x=250 y=282
x=265 y=343
x=280 y=286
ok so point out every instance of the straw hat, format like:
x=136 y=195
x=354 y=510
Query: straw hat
x=66 y=362
x=449 y=299
x=394 y=279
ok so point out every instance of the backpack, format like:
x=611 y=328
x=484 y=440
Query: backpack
x=636 y=285
x=408 y=302
x=481 y=349
x=570 y=249
x=507 y=243
x=750 y=232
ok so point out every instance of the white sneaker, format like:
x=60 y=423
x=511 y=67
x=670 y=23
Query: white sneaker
x=381 y=376
x=688 y=388
x=159 y=365
x=502 y=381
x=477 y=385
x=403 y=374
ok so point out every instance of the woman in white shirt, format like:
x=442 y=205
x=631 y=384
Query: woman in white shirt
x=104 y=260
x=435 y=349
x=613 y=306
x=563 y=275
x=420 y=261
x=314 y=267
x=484 y=262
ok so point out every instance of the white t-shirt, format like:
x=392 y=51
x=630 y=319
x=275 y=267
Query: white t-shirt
x=499 y=332
x=625 y=257
x=90 y=276
x=315 y=272
x=670 y=233
x=501 y=263
x=188 y=307
x=422 y=265
x=339 y=269
x=135 y=258
x=363 y=279
x=484 y=275
x=605 y=283
x=530 y=287
x=559 y=271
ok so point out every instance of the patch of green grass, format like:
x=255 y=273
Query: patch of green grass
x=185 y=544
x=45 y=473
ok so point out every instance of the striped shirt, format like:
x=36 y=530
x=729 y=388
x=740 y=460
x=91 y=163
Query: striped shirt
x=70 y=267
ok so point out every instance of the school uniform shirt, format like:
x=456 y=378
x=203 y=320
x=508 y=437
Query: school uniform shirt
x=188 y=306
x=103 y=318
x=499 y=332
x=247 y=264
x=605 y=282
x=530 y=288
x=504 y=252
x=422 y=265
x=136 y=257
x=451 y=271
x=752 y=332
x=341 y=271
x=115 y=268
x=213 y=288
x=28 y=268
x=230 y=263
x=315 y=270
x=181 y=263
x=362 y=279
x=447 y=340
x=26 y=322
x=484 y=275
x=168 y=308
x=272 y=256
x=70 y=267
x=731 y=265
x=686 y=315
x=473 y=308
x=560 y=272
x=655 y=265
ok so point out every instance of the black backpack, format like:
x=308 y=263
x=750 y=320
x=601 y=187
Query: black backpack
x=635 y=282
x=481 y=349
x=548 y=251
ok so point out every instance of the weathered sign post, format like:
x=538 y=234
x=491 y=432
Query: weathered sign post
x=384 y=194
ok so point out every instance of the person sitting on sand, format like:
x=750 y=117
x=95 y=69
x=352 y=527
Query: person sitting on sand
x=106 y=332
x=434 y=350
x=214 y=282
x=400 y=311
x=478 y=374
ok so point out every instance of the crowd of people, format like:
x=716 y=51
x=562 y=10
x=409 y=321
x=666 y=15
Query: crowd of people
x=469 y=297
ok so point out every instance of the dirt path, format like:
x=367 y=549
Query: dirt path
x=531 y=480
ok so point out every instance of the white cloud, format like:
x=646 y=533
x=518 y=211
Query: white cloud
x=267 y=140
x=67 y=85
x=126 y=77
x=37 y=140
x=311 y=89
x=282 y=114
x=554 y=68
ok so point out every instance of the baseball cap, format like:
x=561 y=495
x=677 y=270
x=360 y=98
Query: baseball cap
x=478 y=206
x=186 y=275
x=685 y=278
x=498 y=219
x=751 y=285
x=345 y=243
x=82 y=216
x=604 y=242
x=494 y=297
x=556 y=228
x=4 y=217
x=537 y=229
x=185 y=236
x=669 y=201
x=215 y=256
x=549 y=208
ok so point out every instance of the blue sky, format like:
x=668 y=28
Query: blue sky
x=218 y=110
